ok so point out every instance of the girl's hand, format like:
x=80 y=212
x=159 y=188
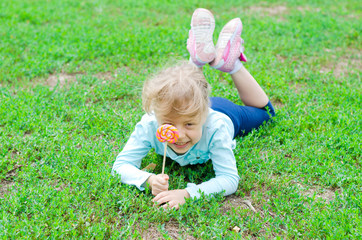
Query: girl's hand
x=158 y=183
x=172 y=199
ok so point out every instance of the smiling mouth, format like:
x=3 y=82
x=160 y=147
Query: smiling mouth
x=181 y=144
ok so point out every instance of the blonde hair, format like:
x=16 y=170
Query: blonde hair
x=182 y=90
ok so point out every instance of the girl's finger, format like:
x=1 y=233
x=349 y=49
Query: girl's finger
x=166 y=205
x=174 y=205
x=155 y=199
x=165 y=176
x=162 y=181
x=171 y=205
x=161 y=199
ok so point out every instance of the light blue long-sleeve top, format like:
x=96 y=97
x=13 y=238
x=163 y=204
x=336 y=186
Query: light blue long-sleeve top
x=216 y=144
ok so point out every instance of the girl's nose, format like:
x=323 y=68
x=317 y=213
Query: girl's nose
x=181 y=132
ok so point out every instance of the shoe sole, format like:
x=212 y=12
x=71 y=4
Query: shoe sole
x=203 y=51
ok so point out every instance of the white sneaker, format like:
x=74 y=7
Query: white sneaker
x=229 y=47
x=200 y=44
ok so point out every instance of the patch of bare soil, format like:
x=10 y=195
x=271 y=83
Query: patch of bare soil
x=298 y=87
x=270 y=11
x=4 y=187
x=237 y=202
x=281 y=58
x=107 y=76
x=279 y=10
x=317 y=192
x=324 y=194
x=277 y=103
x=171 y=229
x=64 y=79
x=6 y=184
x=305 y=9
x=274 y=11
x=61 y=78
x=60 y=186
x=350 y=62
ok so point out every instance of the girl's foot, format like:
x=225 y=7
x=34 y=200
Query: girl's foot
x=200 y=43
x=229 y=48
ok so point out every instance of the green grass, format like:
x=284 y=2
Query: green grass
x=302 y=173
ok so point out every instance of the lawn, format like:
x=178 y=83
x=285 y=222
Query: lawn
x=71 y=75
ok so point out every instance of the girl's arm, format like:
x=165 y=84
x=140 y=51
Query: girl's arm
x=129 y=160
x=226 y=179
x=132 y=175
x=226 y=174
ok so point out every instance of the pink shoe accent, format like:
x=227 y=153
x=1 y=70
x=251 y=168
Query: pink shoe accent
x=226 y=52
x=243 y=58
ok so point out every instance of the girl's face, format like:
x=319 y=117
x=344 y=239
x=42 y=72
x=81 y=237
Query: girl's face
x=190 y=130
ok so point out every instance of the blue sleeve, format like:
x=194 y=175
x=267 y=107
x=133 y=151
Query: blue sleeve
x=226 y=174
x=129 y=160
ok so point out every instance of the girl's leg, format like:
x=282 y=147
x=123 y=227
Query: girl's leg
x=229 y=54
x=250 y=92
x=244 y=118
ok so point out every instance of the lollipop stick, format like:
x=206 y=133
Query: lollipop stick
x=168 y=133
x=164 y=159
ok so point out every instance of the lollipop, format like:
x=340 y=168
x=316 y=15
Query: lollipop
x=167 y=133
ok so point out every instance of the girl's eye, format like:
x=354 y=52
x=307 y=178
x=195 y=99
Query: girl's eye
x=189 y=124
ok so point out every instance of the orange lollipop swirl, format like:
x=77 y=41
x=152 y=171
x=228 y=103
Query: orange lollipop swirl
x=167 y=133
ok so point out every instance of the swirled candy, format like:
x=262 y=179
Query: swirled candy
x=167 y=133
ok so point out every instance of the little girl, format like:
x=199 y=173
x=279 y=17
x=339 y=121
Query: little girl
x=207 y=126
